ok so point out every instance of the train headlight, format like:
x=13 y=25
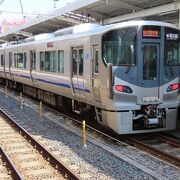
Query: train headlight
x=173 y=87
x=122 y=88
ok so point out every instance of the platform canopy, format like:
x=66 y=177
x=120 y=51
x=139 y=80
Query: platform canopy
x=98 y=11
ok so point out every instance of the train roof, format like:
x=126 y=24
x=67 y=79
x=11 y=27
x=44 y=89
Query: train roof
x=135 y=23
x=87 y=29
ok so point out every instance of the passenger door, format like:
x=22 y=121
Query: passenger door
x=10 y=62
x=3 y=65
x=10 y=66
x=149 y=74
x=78 y=71
x=95 y=74
x=33 y=67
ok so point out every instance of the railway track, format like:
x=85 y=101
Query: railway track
x=110 y=137
x=29 y=157
x=106 y=135
x=169 y=140
x=153 y=144
x=8 y=169
x=132 y=140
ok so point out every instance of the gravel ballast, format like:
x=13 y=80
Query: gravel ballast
x=92 y=162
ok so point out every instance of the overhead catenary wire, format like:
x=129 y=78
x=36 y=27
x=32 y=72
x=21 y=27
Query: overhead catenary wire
x=22 y=11
x=1 y=1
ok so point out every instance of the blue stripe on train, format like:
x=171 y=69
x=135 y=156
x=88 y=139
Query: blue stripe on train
x=57 y=84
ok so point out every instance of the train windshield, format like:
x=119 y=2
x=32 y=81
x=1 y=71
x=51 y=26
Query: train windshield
x=172 y=47
x=118 y=46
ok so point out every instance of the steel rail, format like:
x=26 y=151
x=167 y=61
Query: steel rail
x=168 y=140
x=15 y=174
x=51 y=158
x=160 y=154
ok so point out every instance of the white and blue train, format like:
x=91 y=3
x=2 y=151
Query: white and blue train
x=127 y=74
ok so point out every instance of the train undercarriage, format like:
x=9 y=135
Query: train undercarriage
x=148 y=118
x=58 y=102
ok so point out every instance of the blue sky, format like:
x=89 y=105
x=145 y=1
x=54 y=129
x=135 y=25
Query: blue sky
x=11 y=9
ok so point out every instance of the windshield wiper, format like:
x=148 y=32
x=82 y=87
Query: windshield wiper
x=128 y=68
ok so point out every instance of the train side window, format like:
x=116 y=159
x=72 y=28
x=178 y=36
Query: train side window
x=20 y=60
x=74 y=59
x=81 y=59
x=42 y=61
x=50 y=61
x=61 y=61
x=2 y=60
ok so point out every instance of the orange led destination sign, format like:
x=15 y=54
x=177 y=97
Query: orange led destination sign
x=151 y=33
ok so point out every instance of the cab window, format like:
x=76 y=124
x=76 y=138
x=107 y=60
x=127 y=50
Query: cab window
x=172 y=47
x=118 y=46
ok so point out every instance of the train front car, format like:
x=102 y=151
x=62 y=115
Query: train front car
x=144 y=58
